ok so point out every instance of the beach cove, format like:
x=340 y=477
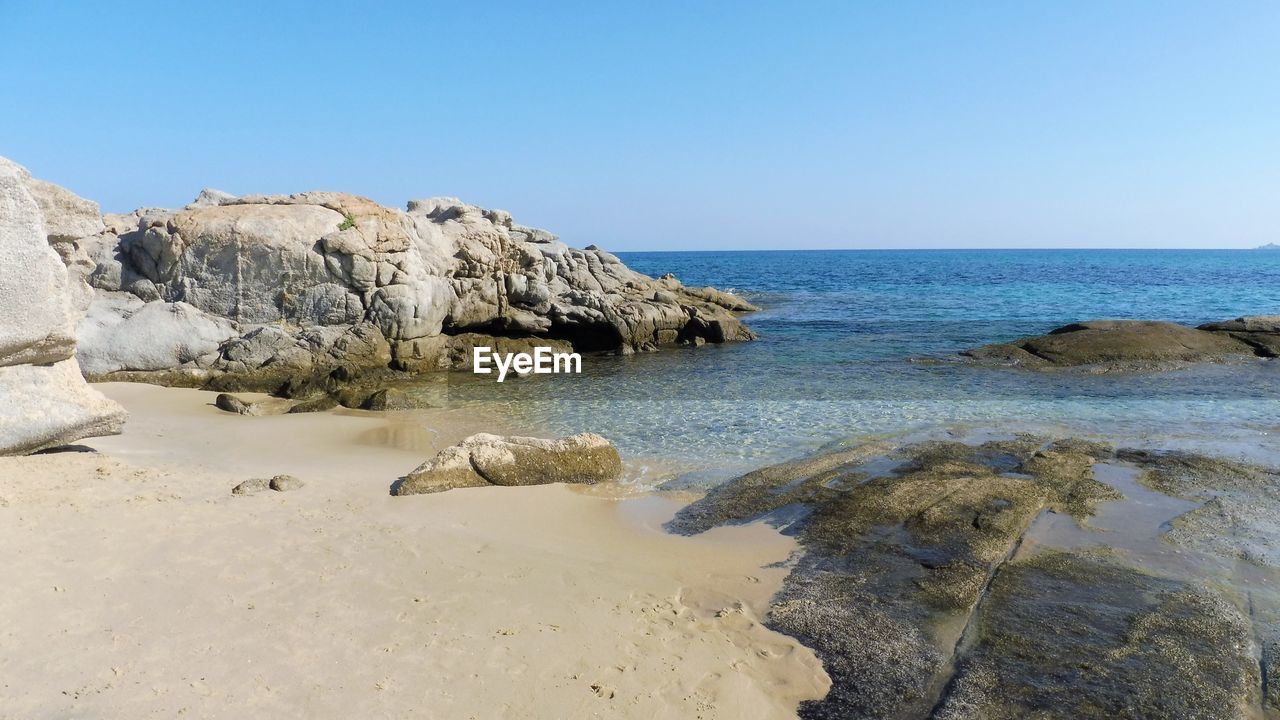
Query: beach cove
x=138 y=586
x=255 y=472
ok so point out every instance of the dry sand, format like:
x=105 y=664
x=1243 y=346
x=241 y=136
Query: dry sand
x=134 y=585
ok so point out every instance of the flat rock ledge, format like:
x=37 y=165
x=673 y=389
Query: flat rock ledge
x=1136 y=345
x=933 y=583
x=483 y=460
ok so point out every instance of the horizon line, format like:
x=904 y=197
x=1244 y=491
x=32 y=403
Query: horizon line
x=1262 y=248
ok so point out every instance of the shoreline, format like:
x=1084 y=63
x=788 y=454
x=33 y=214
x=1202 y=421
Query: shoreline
x=152 y=590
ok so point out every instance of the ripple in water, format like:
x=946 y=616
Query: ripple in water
x=843 y=335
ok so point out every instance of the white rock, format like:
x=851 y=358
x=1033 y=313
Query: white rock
x=210 y=197
x=123 y=333
x=67 y=216
x=37 y=324
x=44 y=401
x=48 y=406
x=235 y=261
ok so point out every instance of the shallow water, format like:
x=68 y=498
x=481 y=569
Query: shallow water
x=854 y=344
x=1131 y=526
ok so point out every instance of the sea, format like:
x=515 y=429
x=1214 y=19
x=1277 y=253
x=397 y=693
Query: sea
x=861 y=344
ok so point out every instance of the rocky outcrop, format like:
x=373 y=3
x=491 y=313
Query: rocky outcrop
x=1108 y=345
x=46 y=401
x=484 y=459
x=1260 y=332
x=927 y=591
x=273 y=288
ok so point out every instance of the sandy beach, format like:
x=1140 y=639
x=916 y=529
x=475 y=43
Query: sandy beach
x=136 y=585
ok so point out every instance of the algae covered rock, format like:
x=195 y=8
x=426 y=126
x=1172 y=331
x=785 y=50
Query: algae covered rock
x=921 y=594
x=1138 y=345
x=896 y=559
x=484 y=459
x=1064 y=635
x=1261 y=332
x=1115 y=345
x=1240 y=512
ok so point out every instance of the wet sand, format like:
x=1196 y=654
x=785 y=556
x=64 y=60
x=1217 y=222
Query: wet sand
x=135 y=585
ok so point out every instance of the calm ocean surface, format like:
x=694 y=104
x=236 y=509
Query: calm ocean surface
x=854 y=344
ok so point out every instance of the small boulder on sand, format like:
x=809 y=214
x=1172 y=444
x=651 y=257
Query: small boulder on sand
x=253 y=408
x=279 y=483
x=285 y=483
x=249 y=487
x=233 y=404
x=485 y=459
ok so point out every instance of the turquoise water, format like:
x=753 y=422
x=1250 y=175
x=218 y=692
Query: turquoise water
x=856 y=344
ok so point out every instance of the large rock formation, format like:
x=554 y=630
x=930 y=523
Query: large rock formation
x=254 y=292
x=1106 y=345
x=482 y=460
x=46 y=402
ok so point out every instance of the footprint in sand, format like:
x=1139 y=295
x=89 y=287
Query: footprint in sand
x=603 y=691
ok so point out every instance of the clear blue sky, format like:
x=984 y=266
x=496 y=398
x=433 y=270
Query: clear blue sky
x=648 y=126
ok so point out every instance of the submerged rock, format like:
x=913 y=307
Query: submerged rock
x=1240 y=512
x=1077 y=636
x=916 y=590
x=895 y=561
x=1116 y=345
x=1261 y=332
x=485 y=459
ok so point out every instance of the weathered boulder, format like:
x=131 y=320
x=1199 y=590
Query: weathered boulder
x=485 y=459
x=46 y=401
x=38 y=322
x=285 y=483
x=67 y=216
x=1115 y=345
x=120 y=332
x=1260 y=332
x=251 y=486
x=236 y=261
x=232 y=404
x=46 y=406
x=279 y=483
x=210 y=197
